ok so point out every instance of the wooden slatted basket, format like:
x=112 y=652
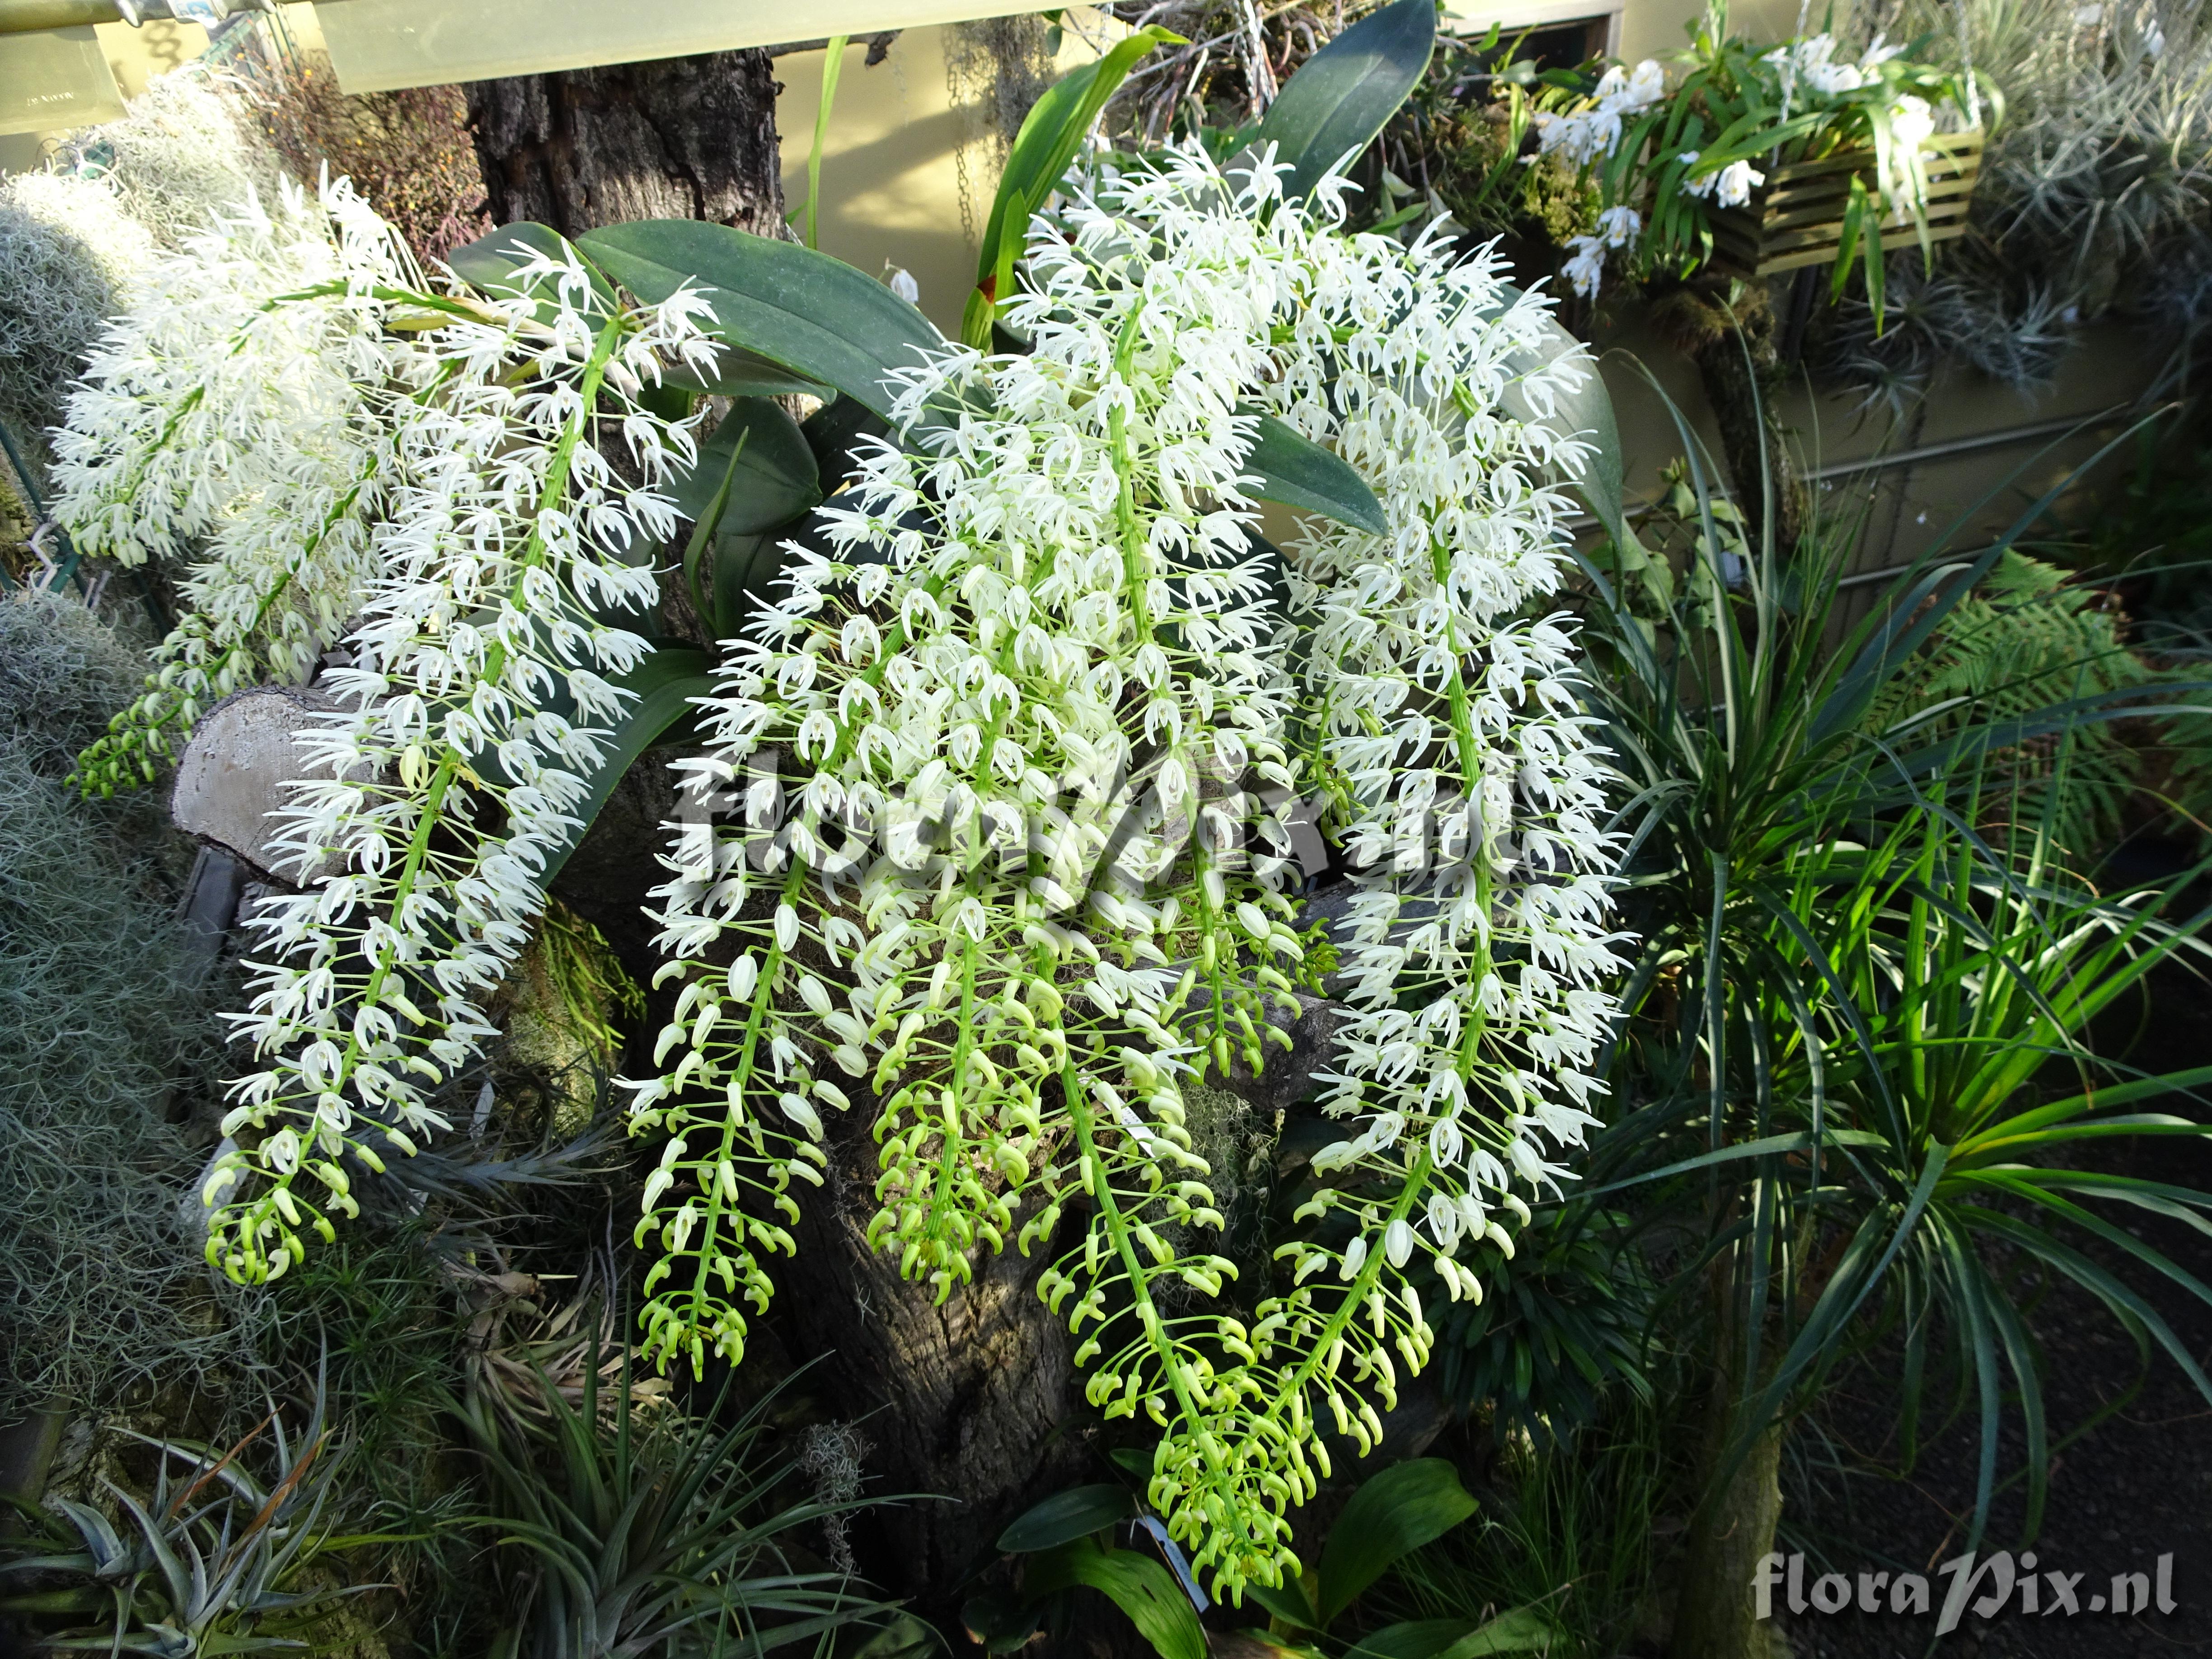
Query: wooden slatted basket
x=1796 y=218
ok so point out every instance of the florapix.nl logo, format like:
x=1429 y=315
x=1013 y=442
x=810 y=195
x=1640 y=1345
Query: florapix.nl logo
x=1984 y=1585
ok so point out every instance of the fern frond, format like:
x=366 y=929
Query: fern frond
x=2029 y=639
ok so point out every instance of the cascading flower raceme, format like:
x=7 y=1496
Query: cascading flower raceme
x=1470 y=802
x=221 y=412
x=1001 y=757
x=941 y=697
x=1470 y=805
x=479 y=700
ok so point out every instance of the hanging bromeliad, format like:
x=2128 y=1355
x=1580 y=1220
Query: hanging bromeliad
x=984 y=831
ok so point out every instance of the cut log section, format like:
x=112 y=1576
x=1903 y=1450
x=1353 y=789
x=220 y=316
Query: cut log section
x=230 y=788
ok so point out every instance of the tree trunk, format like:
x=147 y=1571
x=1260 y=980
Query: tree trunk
x=1716 y=1617
x=1731 y=336
x=968 y=1408
x=679 y=138
x=978 y=1399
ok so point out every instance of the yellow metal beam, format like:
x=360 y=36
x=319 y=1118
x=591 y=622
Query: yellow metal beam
x=377 y=45
x=21 y=16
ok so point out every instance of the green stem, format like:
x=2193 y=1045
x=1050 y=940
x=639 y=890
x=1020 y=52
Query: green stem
x=763 y=993
x=1348 y=1306
x=1417 y=1178
x=832 y=66
x=948 y=1162
x=1125 y=502
x=462 y=310
x=1101 y=1188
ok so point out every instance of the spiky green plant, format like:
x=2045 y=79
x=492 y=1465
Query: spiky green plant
x=624 y=1530
x=1664 y=160
x=1843 y=991
x=218 y=1559
x=2093 y=197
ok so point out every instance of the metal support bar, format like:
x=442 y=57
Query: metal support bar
x=879 y=45
x=1998 y=440
x=21 y=16
x=1881 y=463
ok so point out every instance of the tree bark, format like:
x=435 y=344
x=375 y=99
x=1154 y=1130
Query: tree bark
x=1731 y=335
x=1734 y=1525
x=1717 y=1617
x=679 y=138
x=969 y=1407
x=977 y=1400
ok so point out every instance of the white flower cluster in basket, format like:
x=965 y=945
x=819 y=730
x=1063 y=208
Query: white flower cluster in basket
x=1593 y=133
x=1809 y=64
x=1728 y=187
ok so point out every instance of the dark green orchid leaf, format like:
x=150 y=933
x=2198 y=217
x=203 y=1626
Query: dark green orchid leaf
x=1289 y=1601
x=997 y=1625
x=1584 y=414
x=1066 y=1516
x=836 y=433
x=1392 y=1513
x=1346 y=93
x=1140 y=1586
x=490 y=263
x=739 y=373
x=745 y=569
x=803 y=311
x=666 y=683
x=1524 y=1630
x=768 y=464
x=1299 y=473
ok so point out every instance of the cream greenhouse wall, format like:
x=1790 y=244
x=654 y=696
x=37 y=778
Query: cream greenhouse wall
x=905 y=171
x=905 y=168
